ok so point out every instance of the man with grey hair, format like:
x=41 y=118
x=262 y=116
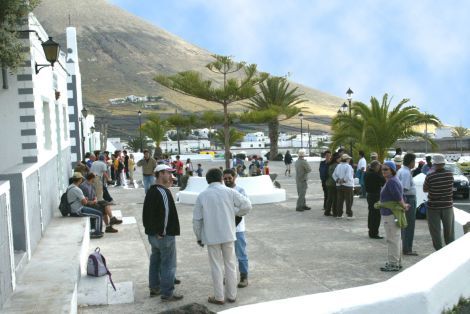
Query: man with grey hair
x=439 y=186
x=302 y=169
x=214 y=226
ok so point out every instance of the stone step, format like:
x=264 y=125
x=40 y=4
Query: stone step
x=48 y=283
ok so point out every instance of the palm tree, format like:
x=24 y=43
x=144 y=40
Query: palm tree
x=134 y=143
x=378 y=127
x=460 y=132
x=275 y=102
x=234 y=136
x=155 y=128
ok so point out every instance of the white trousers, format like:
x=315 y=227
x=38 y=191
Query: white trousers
x=223 y=256
x=393 y=237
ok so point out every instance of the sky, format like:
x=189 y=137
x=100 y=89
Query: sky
x=409 y=49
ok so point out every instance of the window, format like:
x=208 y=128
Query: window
x=64 y=122
x=46 y=113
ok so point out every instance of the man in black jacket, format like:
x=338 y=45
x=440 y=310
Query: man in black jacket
x=161 y=224
x=323 y=169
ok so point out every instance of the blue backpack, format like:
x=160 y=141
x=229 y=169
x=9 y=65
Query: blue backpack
x=422 y=210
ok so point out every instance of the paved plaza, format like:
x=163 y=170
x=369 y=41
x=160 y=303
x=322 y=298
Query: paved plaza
x=290 y=253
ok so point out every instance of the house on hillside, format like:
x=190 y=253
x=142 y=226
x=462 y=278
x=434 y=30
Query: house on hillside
x=39 y=125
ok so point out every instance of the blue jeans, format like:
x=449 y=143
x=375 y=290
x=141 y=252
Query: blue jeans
x=408 y=233
x=162 y=268
x=148 y=181
x=95 y=215
x=240 y=251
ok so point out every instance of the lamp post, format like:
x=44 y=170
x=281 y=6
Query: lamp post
x=51 y=51
x=140 y=130
x=301 y=117
x=83 y=117
x=92 y=138
x=349 y=93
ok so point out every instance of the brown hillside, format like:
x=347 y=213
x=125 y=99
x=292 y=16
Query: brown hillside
x=120 y=54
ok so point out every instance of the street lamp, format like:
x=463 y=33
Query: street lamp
x=140 y=130
x=301 y=117
x=349 y=93
x=92 y=138
x=51 y=51
x=83 y=117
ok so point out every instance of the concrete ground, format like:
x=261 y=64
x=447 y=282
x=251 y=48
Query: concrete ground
x=290 y=253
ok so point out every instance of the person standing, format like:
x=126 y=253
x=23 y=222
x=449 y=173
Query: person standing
x=287 y=162
x=131 y=165
x=361 y=169
x=302 y=169
x=179 y=166
x=323 y=169
x=148 y=163
x=199 y=170
x=439 y=186
x=331 y=186
x=391 y=207
x=214 y=226
x=240 y=244
x=373 y=183
x=409 y=190
x=100 y=169
x=161 y=223
x=126 y=163
x=428 y=166
x=344 y=178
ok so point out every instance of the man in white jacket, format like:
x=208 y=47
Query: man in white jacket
x=214 y=225
x=344 y=178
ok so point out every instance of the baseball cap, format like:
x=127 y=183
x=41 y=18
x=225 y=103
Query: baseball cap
x=163 y=167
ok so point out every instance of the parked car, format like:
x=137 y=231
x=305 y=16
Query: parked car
x=461 y=185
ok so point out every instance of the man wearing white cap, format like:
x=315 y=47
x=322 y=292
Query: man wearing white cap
x=161 y=224
x=302 y=169
x=344 y=178
x=439 y=186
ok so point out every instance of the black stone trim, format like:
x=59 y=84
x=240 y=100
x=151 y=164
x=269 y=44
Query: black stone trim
x=30 y=160
x=28 y=132
x=25 y=91
x=74 y=150
x=29 y=145
x=23 y=35
x=25 y=77
x=26 y=105
x=73 y=133
x=27 y=119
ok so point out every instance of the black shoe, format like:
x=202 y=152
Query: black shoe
x=110 y=229
x=307 y=208
x=154 y=292
x=327 y=213
x=96 y=235
x=177 y=281
x=376 y=237
x=115 y=221
x=242 y=284
x=173 y=297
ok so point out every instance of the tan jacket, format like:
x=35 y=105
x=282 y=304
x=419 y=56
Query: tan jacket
x=147 y=165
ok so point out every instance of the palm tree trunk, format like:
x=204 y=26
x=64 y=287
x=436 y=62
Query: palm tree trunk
x=273 y=128
x=226 y=138
x=4 y=77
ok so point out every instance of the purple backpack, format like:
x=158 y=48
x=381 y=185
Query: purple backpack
x=96 y=266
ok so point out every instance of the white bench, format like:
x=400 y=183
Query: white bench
x=260 y=190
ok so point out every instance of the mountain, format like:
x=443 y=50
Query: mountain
x=120 y=54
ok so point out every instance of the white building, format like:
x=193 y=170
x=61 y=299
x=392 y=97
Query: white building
x=186 y=146
x=36 y=161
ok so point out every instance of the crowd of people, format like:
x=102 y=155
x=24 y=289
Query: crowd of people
x=391 y=196
x=218 y=215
